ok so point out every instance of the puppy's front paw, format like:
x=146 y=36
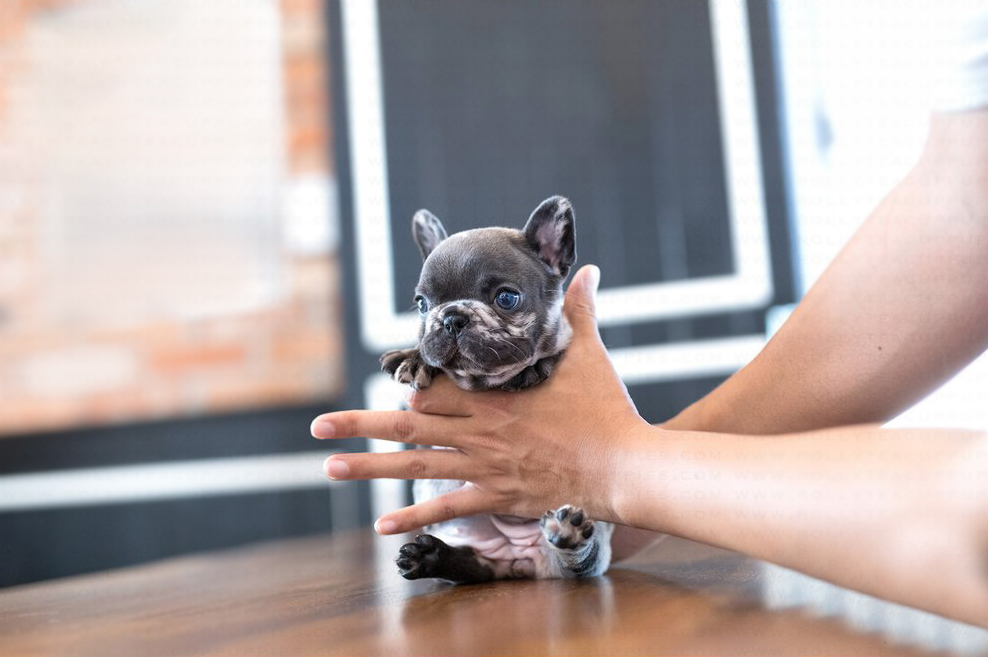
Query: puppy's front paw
x=407 y=366
x=527 y=378
x=568 y=528
x=531 y=375
x=421 y=558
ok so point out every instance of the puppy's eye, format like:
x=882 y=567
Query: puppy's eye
x=422 y=303
x=507 y=299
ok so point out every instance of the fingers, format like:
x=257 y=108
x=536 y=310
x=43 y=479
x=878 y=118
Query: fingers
x=465 y=501
x=441 y=398
x=398 y=426
x=580 y=305
x=408 y=464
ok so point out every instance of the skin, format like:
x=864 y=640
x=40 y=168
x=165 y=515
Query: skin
x=758 y=465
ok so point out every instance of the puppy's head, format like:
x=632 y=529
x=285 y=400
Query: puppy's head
x=491 y=298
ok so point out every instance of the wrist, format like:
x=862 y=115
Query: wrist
x=637 y=476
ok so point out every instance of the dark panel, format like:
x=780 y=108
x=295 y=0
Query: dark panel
x=40 y=545
x=484 y=119
x=657 y=402
x=492 y=106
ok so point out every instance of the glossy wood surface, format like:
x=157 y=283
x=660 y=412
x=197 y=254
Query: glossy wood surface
x=341 y=595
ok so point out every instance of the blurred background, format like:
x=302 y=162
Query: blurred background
x=205 y=208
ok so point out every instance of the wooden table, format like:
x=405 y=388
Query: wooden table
x=341 y=595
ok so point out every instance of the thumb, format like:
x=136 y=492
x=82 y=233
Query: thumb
x=580 y=304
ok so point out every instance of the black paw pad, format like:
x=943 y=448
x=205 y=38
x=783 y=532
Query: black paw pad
x=420 y=559
x=568 y=528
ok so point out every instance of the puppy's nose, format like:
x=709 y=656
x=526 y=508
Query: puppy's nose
x=454 y=323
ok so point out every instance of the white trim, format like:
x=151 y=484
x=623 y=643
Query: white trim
x=369 y=172
x=739 y=135
x=751 y=284
x=685 y=360
x=163 y=481
x=802 y=99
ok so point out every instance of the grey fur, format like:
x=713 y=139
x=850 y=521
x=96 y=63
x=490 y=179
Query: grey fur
x=427 y=231
x=495 y=347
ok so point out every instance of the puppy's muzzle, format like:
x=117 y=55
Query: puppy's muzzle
x=454 y=323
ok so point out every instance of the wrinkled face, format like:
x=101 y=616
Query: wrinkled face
x=488 y=307
x=491 y=299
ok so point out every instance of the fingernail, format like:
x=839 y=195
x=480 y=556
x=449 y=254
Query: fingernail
x=594 y=281
x=408 y=394
x=385 y=526
x=337 y=469
x=321 y=428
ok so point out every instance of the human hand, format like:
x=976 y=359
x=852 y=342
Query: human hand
x=518 y=452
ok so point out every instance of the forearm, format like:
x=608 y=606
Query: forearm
x=891 y=318
x=896 y=513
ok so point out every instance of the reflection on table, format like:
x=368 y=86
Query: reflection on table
x=341 y=595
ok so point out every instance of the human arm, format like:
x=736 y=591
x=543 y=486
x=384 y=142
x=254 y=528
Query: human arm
x=899 y=311
x=895 y=513
x=893 y=317
x=895 y=314
x=890 y=319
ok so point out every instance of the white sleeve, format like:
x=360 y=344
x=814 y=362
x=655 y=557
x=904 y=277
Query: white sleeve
x=961 y=53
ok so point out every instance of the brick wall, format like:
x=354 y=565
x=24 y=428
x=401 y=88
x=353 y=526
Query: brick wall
x=106 y=361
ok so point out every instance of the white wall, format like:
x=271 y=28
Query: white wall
x=858 y=81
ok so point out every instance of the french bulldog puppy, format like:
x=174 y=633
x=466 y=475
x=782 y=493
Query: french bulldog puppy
x=491 y=306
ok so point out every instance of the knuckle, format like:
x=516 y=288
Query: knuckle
x=500 y=497
x=403 y=426
x=447 y=510
x=417 y=467
x=485 y=442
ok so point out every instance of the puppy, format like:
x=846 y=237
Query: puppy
x=491 y=306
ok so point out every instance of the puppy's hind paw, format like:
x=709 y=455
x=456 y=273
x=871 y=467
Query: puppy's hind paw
x=407 y=366
x=421 y=558
x=567 y=528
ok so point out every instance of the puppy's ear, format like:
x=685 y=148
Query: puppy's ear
x=550 y=233
x=428 y=232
